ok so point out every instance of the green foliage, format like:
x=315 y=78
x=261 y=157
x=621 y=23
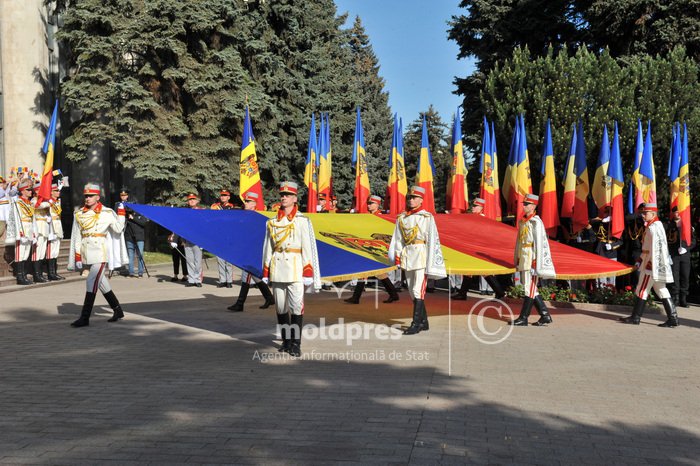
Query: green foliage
x=164 y=85
x=599 y=90
x=600 y=295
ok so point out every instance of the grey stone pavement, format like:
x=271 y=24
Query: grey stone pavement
x=182 y=381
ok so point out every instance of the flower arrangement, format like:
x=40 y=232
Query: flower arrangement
x=604 y=294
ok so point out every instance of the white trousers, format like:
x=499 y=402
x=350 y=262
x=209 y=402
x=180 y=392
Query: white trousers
x=416 y=281
x=289 y=297
x=97 y=279
x=645 y=283
x=529 y=283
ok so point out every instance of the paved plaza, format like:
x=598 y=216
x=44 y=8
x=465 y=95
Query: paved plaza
x=182 y=381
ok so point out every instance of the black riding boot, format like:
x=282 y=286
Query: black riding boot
x=114 y=304
x=461 y=295
x=242 y=295
x=84 y=319
x=683 y=300
x=524 y=313
x=417 y=323
x=38 y=274
x=545 y=318
x=495 y=286
x=297 y=324
x=267 y=294
x=22 y=278
x=355 y=298
x=671 y=315
x=637 y=312
x=424 y=313
x=391 y=289
x=283 y=323
x=53 y=270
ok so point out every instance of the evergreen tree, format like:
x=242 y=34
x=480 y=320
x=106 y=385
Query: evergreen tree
x=599 y=90
x=164 y=85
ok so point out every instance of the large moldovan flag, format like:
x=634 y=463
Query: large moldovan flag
x=359 y=160
x=44 y=193
x=310 y=173
x=457 y=194
x=548 y=187
x=426 y=171
x=249 y=180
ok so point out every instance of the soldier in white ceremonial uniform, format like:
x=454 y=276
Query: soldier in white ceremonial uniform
x=290 y=263
x=533 y=260
x=250 y=200
x=49 y=231
x=20 y=229
x=55 y=232
x=97 y=243
x=654 y=267
x=415 y=248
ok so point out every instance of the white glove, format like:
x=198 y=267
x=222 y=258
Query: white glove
x=173 y=245
x=533 y=272
x=49 y=219
x=120 y=205
x=608 y=246
x=606 y=219
x=578 y=239
x=34 y=239
x=266 y=280
x=79 y=265
x=24 y=240
x=52 y=237
x=682 y=250
x=308 y=281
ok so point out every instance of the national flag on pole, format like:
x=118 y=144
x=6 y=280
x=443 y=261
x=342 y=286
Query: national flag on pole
x=324 y=165
x=457 y=194
x=397 y=186
x=494 y=213
x=509 y=190
x=647 y=178
x=601 y=182
x=44 y=193
x=636 y=178
x=630 y=198
x=674 y=166
x=486 y=187
x=359 y=161
x=617 y=182
x=580 y=217
x=523 y=182
x=684 y=190
x=310 y=173
x=569 y=181
x=249 y=180
x=426 y=171
x=548 y=209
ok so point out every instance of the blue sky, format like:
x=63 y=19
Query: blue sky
x=416 y=59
